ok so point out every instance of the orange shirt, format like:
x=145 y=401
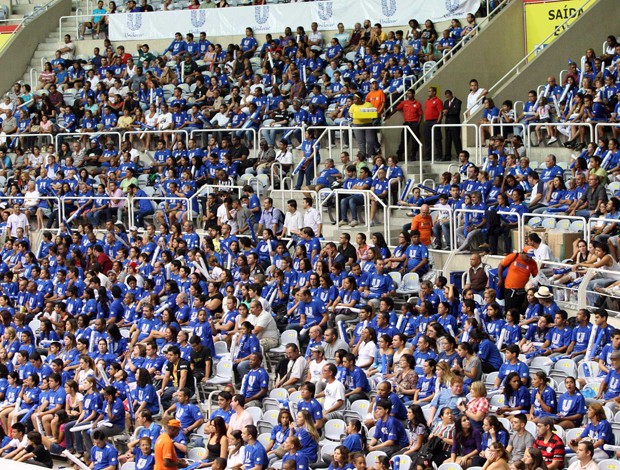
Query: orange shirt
x=377 y=99
x=519 y=271
x=425 y=226
x=164 y=449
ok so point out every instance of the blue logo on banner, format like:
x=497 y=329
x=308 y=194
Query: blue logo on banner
x=325 y=10
x=134 y=21
x=261 y=13
x=388 y=7
x=198 y=17
x=452 y=5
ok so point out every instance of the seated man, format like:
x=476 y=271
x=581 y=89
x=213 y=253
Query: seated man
x=187 y=413
x=390 y=435
x=256 y=382
x=296 y=369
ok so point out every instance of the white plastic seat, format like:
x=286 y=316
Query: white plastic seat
x=609 y=464
x=489 y=380
x=279 y=394
x=563 y=224
x=264 y=439
x=497 y=400
x=548 y=222
x=372 y=458
x=334 y=430
x=535 y=222
x=410 y=285
x=396 y=278
x=564 y=368
x=576 y=226
x=404 y=462
x=541 y=363
x=587 y=369
x=255 y=412
x=327 y=452
x=197 y=454
x=288 y=336
x=223 y=373
x=450 y=466
x=221 y=348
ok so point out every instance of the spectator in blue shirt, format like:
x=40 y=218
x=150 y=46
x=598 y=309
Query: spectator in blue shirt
x=356 y=383
x=256 y=382
x=390 y=435
x=102 y=454
x=255 y=455
x=571 y=406
x=145 y=208
x=487 y=351
x=113 y=412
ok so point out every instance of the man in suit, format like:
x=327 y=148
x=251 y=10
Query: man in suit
x=452 y=115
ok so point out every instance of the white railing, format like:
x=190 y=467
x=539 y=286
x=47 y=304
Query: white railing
x=171 y=132
x=529 y=126
x=452 y=239
x=59 y=137
x=93 y=198
x=367 y=195
x=524 y=61
x=75 y=18
x=458 y=46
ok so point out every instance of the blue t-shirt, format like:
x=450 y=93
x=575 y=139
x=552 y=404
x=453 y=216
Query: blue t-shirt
x=391 y=429
x=548 y=397
x=104 y=457
x=256 y=380
x=313 y=407
x=569 y=405
x=255 y=455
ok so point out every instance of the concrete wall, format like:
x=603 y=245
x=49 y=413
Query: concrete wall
x=590 y=30
x=499 y=46
x=17 y=55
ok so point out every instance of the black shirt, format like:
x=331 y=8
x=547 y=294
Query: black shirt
x=41 y=454
x=239 y=152
x=199 y=359
x=348 y=252
x=175 y=374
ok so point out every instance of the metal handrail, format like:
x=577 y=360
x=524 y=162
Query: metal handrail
x=457 y=47
x=77 y=22
x=431 y=209
x=81 y=134
x=93 y=198
x=172 y=132
x=556 y=32
x=367 y=194
x=554 y=124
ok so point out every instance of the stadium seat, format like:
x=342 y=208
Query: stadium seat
x=450 y=466
x=255 y=412
x=609 y=464
x=587 y=369
x=402 y=462
x=334 y=431
x=223 y=374
x=410 y=285
x=264 y=439
x=548 y=223
x=564 y=368
x=372 y=457
x=197 y=454
x=541 y=363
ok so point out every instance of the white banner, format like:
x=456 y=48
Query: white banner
x=275 y=17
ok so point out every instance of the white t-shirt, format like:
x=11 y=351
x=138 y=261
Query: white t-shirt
x=266 y=321
x=367 y=352
x=293 y=221
x=15 y=221
x=543 y=253
x=312 y=219
x=333 y=393
x=473 y=100
x=315 y=369
x=298 y=368
x=31 y=198
x=285 y=158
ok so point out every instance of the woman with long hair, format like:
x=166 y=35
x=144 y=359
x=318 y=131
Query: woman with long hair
x=417 y=430
x=494 y=431
x=279 y=434
x=307 y=434
x=533 y=459
x=444 y=429
x=217 y=445
x=144 y=396
x=472 y=365
x=466 y=444
x=516 y=395
x=341 y=459
x=236 y=451
x=598 y=429
x=571 y=405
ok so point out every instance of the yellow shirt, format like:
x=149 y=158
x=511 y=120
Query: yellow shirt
x=355 y=108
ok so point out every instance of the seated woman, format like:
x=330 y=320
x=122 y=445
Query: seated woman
x=543 y=399
x=571 y=406
x=466 y=444
x=516 y=396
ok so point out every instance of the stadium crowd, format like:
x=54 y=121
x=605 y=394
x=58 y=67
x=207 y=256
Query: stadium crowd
x=317 y=358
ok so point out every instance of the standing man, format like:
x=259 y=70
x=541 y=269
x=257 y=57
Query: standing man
x=412 y=112
x=475 y=97
x=432 y=114
x=452 y=115
x=520 y=267
x=312 y=217
x=165 y=453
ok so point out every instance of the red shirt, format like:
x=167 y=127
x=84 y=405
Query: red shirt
x=432 y=109
x=551 y=450
x=412 y=110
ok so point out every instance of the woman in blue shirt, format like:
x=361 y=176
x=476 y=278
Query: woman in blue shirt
x=279 y=434
x=293 y=446
x=511 y=330
x=494 y=431
x=307 y=435
x=516 y=395
x=598 y=430
x=144 y=395
x=356 y=436
x=571 y=406
x=341 y=459
x=543 y=398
